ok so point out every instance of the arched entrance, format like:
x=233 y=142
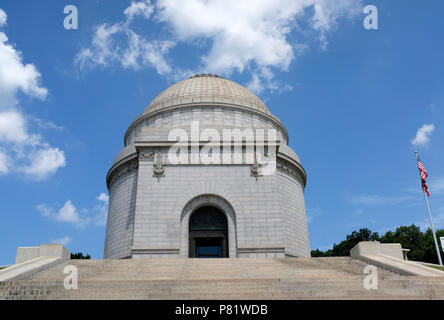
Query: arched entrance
x=208 y=233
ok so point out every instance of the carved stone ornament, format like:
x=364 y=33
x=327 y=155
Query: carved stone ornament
x=147 y=155
x=158 y=168
x=255 y=168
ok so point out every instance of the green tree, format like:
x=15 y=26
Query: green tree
x=344 y=247
x=410 y=237
x=429 y=246
x=319 y=253
x=421 y=245
x=79 y=255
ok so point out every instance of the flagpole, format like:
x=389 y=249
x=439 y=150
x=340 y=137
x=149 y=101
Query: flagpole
x=430 y=218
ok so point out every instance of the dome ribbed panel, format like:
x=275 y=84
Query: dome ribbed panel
x=206 y=89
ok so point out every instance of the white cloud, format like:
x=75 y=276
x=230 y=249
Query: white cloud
x=130 y=51
x=64 y=241
x=101 y=210
x=45 y=210
x=27 y=152
x=438 y=219
x=70 y=214
x=13 y=128
x=45 y=162
x=313 y=212
x=3 y=18
x=264 y=79
x=15 y=76
x=327 y=12
x=102 y=51
x=5 y=163
x=46 y=124
x=257 y=82
x=378 y=200
x=103 y=197
x=436 y=185
x=248 y=35
x=144 y=53
x=143 y=8
x=423 y=135
x=241 y=31
x=31 y=155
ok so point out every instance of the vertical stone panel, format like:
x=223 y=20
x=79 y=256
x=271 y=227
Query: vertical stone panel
x=120 y=223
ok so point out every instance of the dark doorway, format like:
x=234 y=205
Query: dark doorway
x=208 y=234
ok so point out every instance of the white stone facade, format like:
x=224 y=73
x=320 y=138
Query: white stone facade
x=149 y=214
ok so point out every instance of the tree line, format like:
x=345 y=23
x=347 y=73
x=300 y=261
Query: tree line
x=80 y=255
x=421 y=244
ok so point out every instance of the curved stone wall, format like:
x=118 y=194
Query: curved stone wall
x=292 y=208
x=121 y=210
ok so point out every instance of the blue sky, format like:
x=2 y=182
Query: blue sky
x=353 y=101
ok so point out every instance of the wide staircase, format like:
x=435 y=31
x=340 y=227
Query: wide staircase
x=300 y=278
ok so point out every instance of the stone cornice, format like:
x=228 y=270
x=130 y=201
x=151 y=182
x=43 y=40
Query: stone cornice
x=293 y=169
x=121 y=168
x=284 y=164
x=145 y=116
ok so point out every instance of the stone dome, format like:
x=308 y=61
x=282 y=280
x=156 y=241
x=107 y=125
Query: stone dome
x=206 y=89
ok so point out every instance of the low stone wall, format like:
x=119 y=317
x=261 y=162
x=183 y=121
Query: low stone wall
x=374 y=247
x=390 y=257
x=45 y=250
x=30 y=260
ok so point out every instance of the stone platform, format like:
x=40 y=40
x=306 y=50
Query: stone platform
x=288 y=278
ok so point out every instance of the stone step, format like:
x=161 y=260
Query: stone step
x=240 y=297
x=289 y=290
x=301 y=294
x=301 y=278
x=228 y=288
x=228 y=282
x=400 y=281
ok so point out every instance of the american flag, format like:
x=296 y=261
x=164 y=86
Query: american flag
x=424 y=175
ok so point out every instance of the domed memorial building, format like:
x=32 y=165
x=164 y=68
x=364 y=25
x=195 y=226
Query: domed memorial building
x=206 y=172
